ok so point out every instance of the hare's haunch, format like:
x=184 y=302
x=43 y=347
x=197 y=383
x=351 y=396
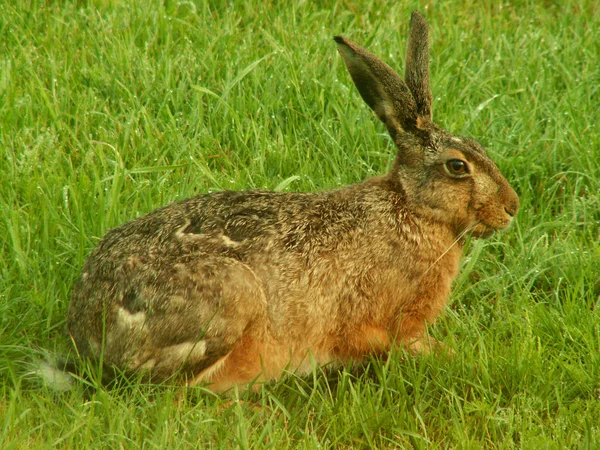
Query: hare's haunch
x=232 y=287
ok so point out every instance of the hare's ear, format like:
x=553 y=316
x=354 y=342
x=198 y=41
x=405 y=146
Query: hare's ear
x=416 y=73
x=380 y=87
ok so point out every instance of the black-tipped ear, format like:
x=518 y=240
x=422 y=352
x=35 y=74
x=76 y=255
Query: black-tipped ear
x=380 y=87
x=417 y=64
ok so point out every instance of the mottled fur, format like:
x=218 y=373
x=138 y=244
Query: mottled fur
x=230 y=287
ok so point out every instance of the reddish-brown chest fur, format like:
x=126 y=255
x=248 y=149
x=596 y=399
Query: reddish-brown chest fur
x=381 y=283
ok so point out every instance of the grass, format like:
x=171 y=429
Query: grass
x=109 y=109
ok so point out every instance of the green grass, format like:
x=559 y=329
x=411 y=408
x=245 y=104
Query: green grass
x=109 y=109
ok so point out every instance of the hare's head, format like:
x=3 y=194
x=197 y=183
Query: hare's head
x=446 y=178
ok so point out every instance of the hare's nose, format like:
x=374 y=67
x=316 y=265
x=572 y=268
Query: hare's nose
x=511 y=201
x=512 y=208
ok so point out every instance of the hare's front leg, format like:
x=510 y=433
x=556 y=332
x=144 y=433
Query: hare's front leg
x=413 y=326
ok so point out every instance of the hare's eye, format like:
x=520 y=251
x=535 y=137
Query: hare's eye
x=457 y=167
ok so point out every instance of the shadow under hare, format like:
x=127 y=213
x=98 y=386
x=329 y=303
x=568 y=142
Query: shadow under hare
x=233 y=287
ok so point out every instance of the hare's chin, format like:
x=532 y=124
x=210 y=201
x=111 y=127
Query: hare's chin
x=481 y=231
x=484 y=234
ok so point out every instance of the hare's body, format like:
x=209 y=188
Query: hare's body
x=235 y=286
x=187 y=285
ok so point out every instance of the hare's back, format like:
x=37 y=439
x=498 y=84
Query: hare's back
x=239 y=225
x=207 y=267
x=171 y=287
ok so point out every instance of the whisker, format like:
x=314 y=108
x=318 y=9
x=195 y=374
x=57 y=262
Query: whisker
x=456 y=240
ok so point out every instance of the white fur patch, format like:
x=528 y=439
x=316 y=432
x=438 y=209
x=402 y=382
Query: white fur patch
x=229 y=242
x=186 y=350
x=211 y=371
x=179 y=234
x=131 y=321
x=148 y=364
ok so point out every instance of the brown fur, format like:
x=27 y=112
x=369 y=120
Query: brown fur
x=232 y=287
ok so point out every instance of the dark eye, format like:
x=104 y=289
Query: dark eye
x=457 y=167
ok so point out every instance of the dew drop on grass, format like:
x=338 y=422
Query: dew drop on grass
x=66 y=197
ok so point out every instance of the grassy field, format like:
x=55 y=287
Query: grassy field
x=109 y=109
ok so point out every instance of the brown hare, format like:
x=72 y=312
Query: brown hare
x=233 y=287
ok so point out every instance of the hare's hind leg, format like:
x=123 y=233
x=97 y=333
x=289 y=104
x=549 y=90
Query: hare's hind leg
x=225 y=304
x=177 y=318
x=413 y=330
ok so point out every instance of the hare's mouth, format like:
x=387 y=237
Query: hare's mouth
x=481 y=231
x=485 y=229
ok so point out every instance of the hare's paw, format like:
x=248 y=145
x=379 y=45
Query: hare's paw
x=427 y=345
x=243 y=366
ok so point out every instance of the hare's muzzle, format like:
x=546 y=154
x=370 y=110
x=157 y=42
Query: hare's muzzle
x=497 y=215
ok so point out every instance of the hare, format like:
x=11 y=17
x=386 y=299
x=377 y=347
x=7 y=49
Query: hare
x=230 y=288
